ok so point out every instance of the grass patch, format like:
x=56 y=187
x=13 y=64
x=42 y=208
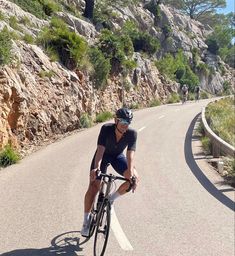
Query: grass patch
x=101 y=117
x=220 y=116
x=154 y=103
x=173 y=98
x=85 y=121
x=5 y=47
x=44 y=73
x=229 y=167
x=206 y=144
x=8 y=156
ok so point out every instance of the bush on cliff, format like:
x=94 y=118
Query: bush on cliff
x=71 y=48
x=5 y=46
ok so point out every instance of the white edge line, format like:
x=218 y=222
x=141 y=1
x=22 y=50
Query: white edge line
x=119 y=234
x=141 y=129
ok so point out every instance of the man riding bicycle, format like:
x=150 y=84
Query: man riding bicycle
x=184 y=90
x=113 y=139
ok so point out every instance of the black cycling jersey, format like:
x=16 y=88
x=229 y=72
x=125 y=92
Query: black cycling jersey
x=107 y=138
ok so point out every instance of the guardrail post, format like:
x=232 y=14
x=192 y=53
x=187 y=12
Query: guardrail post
x=215 y=150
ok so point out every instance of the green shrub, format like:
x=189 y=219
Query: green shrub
x=200 y=129
x=206 y=144
x=166 y=30
x=227 y=87
x=2 y=16
x=25 y=20
x=135 y=106
x=177 y=68
x=101 y=117
x=189 y=78
x=229 y=166
x=44 y=73
x=101 y=66
x=28 y=39
x=70 y=47
x=191 y=96
x=173 y=98
x=39 y=8
x=49 y=7
x=142 y=41
x=154 y=103
x=116 y=47
x=85 y=121
x=204 y=95
x=5 y=47
x=14 y=23
x=31 y=6
x=8 y=156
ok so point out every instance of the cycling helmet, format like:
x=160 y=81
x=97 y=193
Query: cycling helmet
x=124 y=113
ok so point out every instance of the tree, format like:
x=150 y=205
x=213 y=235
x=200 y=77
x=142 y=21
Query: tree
x=90 y=5
x=89 y=8
x=197 y=8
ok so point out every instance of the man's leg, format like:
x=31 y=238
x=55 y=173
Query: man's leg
x=90 y=195
x=88 y=202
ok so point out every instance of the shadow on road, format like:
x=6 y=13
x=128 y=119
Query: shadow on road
x=205 y=182
x=68 y=244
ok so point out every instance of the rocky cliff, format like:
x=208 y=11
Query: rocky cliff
x=40 y=100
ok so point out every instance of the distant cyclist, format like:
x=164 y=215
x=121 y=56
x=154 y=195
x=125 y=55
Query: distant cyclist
x=113 y=139
x=184 y=91
x=197 y=93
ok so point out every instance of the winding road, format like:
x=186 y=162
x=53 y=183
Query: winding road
x=176 y=210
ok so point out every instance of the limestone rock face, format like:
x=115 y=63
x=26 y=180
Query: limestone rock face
x=41 y=100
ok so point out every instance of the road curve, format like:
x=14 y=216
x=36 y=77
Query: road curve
x=172 y=212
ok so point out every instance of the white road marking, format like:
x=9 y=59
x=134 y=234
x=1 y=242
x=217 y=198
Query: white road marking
x=141 y=129
x=119 y=234
x=177 y=109
x=160 y=117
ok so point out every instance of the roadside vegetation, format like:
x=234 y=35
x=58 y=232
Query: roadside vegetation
x=5 y=46
x=8 y=156
x=220 y=116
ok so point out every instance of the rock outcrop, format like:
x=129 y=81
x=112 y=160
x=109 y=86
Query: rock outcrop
x=41 y=100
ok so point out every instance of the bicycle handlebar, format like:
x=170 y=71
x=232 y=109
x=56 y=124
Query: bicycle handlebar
x=113 y=177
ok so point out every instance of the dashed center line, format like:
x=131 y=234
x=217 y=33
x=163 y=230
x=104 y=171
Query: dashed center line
x=142 y=128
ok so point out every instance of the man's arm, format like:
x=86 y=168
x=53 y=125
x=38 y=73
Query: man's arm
x=98 y=158
x=130 y=162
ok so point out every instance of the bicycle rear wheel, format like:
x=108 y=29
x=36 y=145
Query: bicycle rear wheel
x=102 y=230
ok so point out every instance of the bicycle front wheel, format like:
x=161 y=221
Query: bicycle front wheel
x=102 y=230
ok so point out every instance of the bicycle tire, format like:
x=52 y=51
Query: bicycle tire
x=102 y=230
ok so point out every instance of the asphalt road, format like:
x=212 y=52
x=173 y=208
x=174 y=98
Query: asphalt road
x=172 y=212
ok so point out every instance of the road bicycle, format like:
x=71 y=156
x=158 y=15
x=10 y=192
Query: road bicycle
x=184 y=98
x=100 y=217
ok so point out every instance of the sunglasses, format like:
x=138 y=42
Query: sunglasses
x=123 y=121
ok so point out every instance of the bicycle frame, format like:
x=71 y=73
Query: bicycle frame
x=101 y=216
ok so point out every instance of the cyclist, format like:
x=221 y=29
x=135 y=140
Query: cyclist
x=113 y=139
x=197 y=93
x=184 y=90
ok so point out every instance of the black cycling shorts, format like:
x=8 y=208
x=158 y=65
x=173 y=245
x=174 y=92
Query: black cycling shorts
x=119 y=163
